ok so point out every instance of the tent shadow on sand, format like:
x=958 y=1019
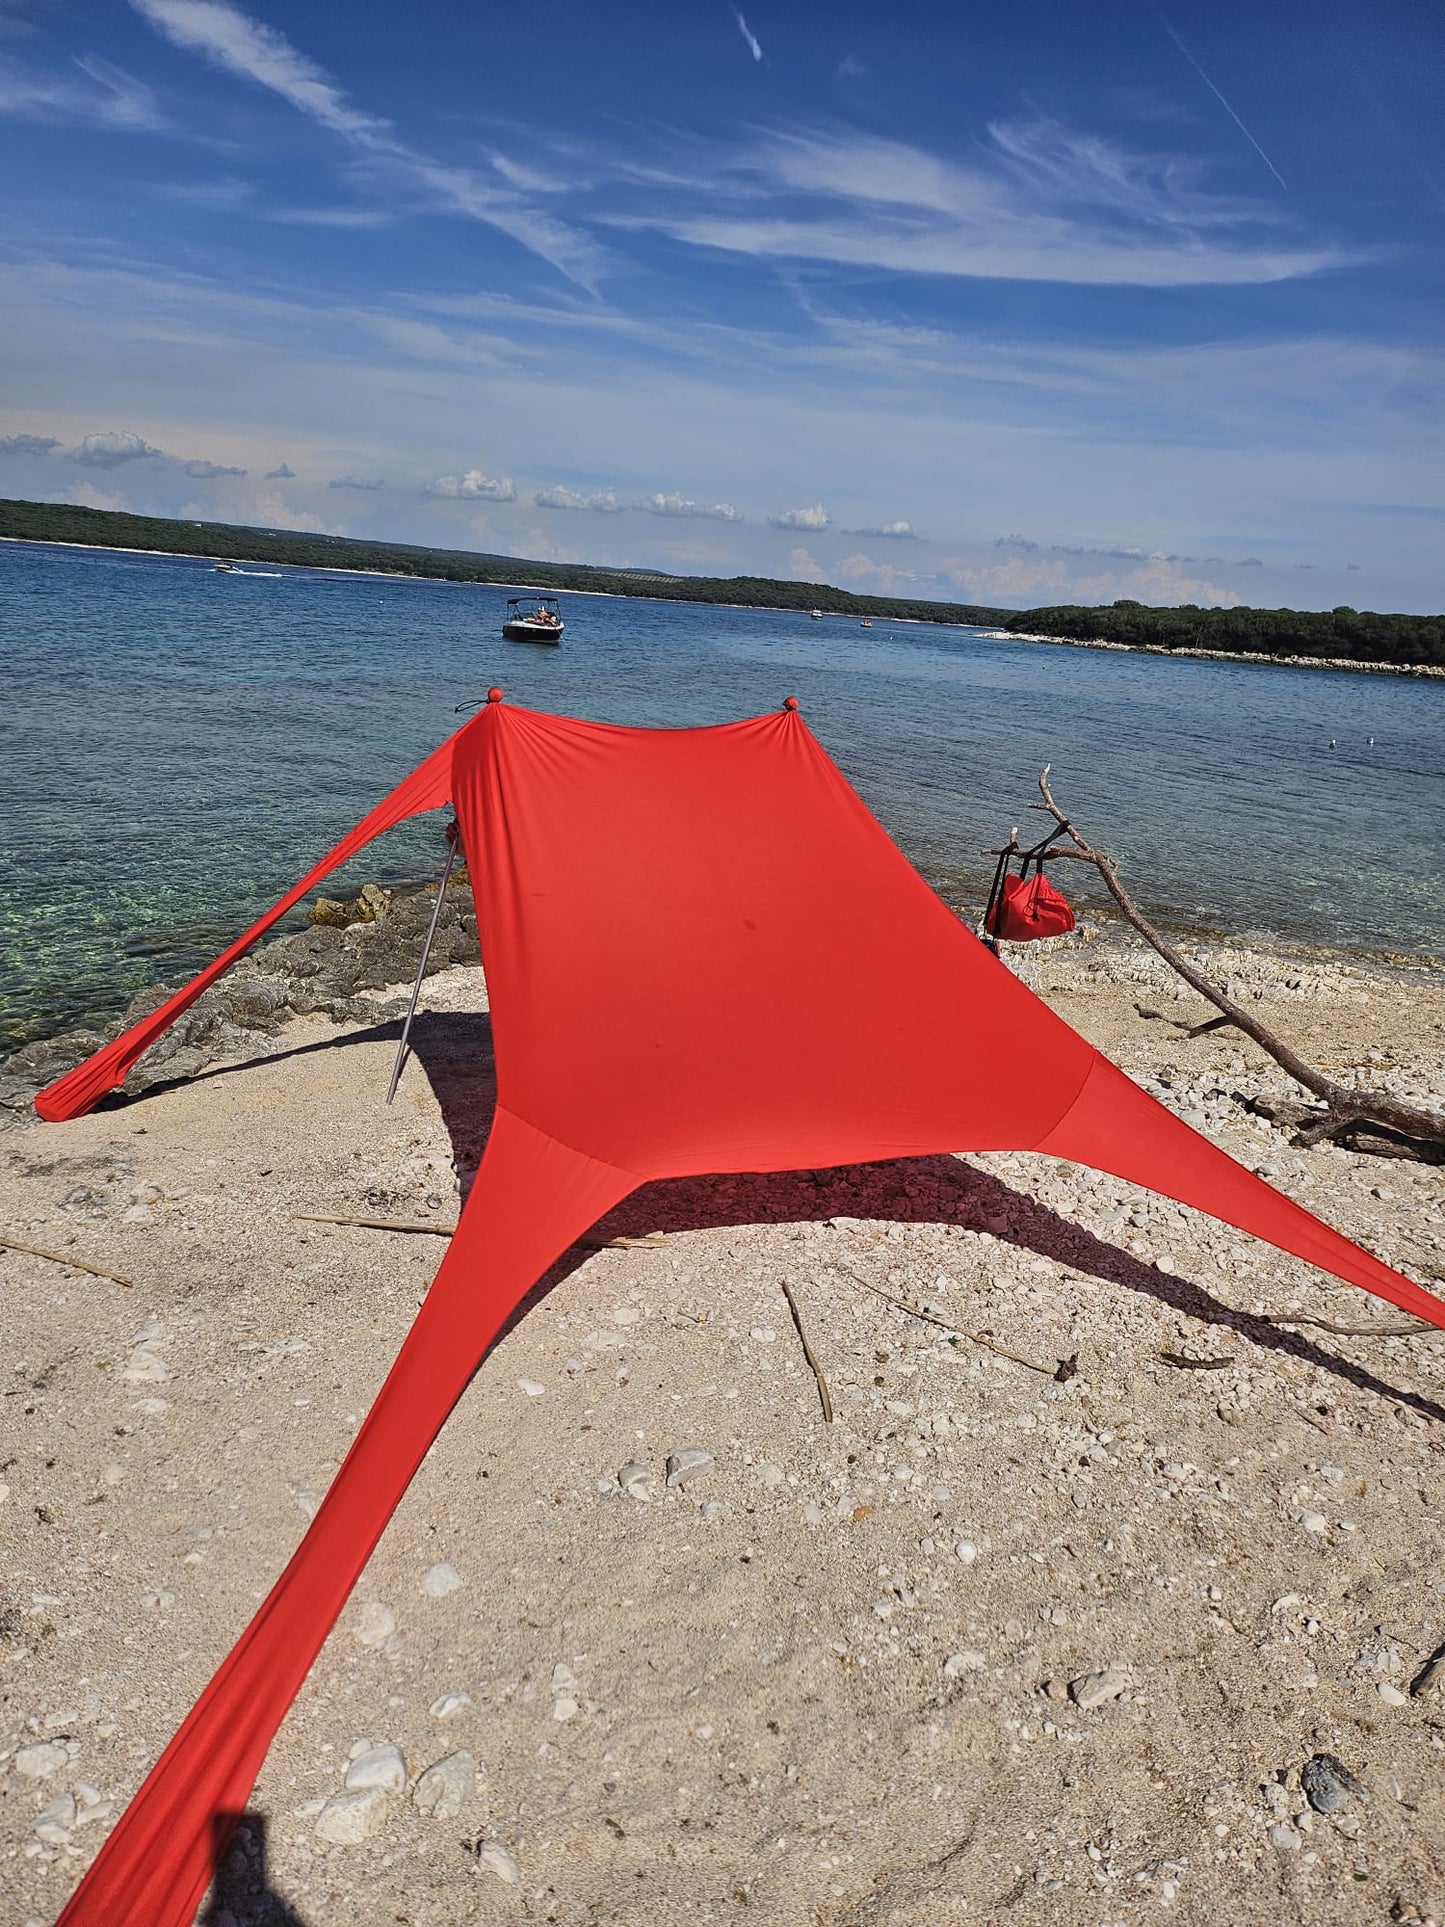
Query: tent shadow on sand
x=454 y=1050
x=241 y=1894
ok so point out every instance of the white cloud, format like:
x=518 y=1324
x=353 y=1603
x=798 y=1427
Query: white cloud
x=27 y=444
x=473 y=487
x=86 y=495
x=1031 y=581
x=604 y=500
x=115 y=99
x=1041 y=203
x=890 y=532
x=367 y=486
x=209 y=471
x=682 y=505
x=813 y=519
x=113 y=449
x=802 y=567
x=753 y=44
x=231 y=40
x=881 y=576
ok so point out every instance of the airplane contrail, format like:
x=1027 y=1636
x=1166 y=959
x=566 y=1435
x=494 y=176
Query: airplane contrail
x=754 y=45
x=1224 y=103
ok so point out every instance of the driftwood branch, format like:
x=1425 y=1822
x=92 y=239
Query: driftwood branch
x=825 y=1397
x=1345 y=1109
x=63 y=1258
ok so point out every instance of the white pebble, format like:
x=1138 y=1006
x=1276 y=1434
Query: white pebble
x=53 y=1826
x=144 y=1368
x=770 y=1475
x=688 y=1464
x=1315 y=1522
x=635 y=1480
x=763 y=1335
x=1285 y=1838
x=349 y=1818
x=1391 y=1695
x=444 y=1789
x=1093 y=1690
x=378 y=1766
x=499 y=1861
x=437 y=1581
x=626 y=1315
x=564 y=1709
x=41 y=1758
x=449 y=1705
x=967 y=1551
x=530 y=1387
x=971 y=1661
x=375 y=1624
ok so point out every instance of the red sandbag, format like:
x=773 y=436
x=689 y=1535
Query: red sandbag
x=1029 y=908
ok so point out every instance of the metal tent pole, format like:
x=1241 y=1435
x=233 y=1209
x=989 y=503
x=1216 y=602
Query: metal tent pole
x=401 y=1048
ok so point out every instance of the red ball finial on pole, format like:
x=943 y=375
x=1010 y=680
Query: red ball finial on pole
x=790 y=702
x=494 y=695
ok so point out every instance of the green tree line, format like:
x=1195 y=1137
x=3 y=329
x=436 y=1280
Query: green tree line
x=1341 y=634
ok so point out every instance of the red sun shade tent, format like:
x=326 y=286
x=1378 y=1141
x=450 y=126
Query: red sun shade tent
x=703 y=954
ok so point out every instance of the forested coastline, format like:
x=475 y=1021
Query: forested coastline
x=1338 y=635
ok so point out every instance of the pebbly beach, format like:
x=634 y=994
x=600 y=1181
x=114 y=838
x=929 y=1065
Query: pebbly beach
x=1113 y=1574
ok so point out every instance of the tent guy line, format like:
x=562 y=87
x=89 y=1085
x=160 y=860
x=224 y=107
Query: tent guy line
x=703 y=954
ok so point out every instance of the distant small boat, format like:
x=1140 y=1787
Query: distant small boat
x=866 y=622
x=533 y=619
x=816 y=614
x=227 y=568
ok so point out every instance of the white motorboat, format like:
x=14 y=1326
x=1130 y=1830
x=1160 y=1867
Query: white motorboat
x=533 y=619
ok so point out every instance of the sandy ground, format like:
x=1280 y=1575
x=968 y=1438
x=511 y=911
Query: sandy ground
x=827 y=1681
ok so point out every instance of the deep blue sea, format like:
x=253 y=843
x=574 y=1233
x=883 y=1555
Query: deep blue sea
x=178 y=745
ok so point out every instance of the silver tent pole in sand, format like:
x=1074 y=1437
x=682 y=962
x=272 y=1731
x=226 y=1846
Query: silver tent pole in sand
x=401 y=1048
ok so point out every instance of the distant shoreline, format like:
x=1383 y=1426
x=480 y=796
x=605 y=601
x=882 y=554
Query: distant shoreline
x=1353 y=640
x=1420 y=671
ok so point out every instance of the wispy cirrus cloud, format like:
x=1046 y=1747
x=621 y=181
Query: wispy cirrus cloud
x=254 y=51
x=813 y=519
x=473 y=486
x=364 y=485
x=1041 y=203
x=682 y=505
x=113 y=98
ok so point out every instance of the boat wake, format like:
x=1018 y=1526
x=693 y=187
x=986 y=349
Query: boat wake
x=265 y=575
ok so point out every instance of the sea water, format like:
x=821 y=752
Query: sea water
x=177 y=745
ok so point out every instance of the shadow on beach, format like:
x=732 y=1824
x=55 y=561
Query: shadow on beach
x=454 y=1050
x=242 y=1894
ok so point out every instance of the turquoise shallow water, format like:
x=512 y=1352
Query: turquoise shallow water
x=177 y=745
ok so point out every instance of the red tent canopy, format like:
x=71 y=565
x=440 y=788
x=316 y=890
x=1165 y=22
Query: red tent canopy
x=703 y=954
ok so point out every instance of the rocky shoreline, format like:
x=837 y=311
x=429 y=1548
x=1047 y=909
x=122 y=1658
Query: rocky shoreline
x=349 y=953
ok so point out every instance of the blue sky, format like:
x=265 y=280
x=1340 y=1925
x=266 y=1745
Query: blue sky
x=1009 y=303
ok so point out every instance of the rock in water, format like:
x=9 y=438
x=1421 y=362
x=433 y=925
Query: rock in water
x=444 y=1789
x=349 y=1818
x=1329 y=1785
x=377 y=1766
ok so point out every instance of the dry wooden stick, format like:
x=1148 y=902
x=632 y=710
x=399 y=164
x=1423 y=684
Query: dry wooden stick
x=76 y=1264
x=824 y=1396
x=647 y=1240
x=1344 y=1107
x=943 y=1324
x=1422 y=1330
